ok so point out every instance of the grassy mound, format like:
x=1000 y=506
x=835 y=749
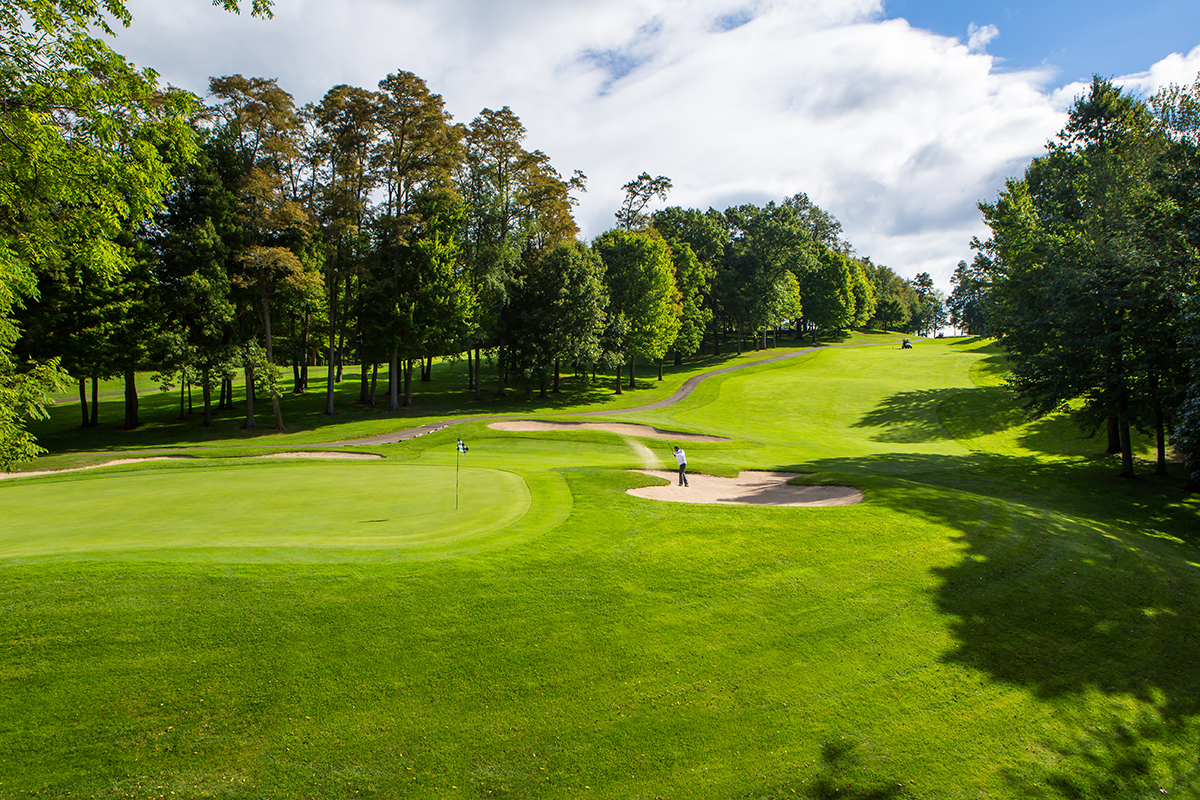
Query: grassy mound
x=280 y=510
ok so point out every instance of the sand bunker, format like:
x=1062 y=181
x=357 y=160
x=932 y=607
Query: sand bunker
x=116 y=462
x=624 y=428
x=748 y=488
x=320 y=454
x=90 y=466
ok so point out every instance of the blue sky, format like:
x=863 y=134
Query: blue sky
x=1078 y=39
x=896 y=116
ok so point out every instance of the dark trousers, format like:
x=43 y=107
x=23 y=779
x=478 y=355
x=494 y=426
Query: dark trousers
x=683 y=474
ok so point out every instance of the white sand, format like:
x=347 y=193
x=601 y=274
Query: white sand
x=748 y=488
x=321 y=454
x=90 y=466
x=624 y=428
x=297 y=454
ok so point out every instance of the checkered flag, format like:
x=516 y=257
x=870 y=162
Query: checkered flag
x=462 y=446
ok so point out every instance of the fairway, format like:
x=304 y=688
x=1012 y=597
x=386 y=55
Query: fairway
x=1001 y=616
x=278 y=506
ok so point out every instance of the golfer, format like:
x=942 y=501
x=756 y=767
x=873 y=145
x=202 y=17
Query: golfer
x=681 y=457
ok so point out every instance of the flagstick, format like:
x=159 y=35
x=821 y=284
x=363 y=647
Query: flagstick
x=457 y=456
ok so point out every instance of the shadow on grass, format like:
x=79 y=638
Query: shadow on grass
x=1074 y=585
x=842 y=776
x=933 y=415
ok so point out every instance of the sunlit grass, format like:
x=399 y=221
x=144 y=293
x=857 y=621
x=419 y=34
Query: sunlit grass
x=1002 y=617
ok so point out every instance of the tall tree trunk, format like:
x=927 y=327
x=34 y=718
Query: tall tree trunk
x=331 y=369
x=394 y=381
x=303 y=355
x=276 y=410
x=1114 y=435
x=716 y=339
x=95 y=401
x=557 y=390
x=131 y=399
x=408 y=365
x=502 y=371
x=1160 y=437
x=374 y=383
x=427 y=370
x=620 y=377
x=364 y=386
x=478 y=374
x=632 y=383
x=83 y=403
x=660 y=365
x=250 y=423
x=207 y=389
x=182 y=400
x=1126 y=441
x=470 y=371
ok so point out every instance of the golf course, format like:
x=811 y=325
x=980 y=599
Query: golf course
x=993 y=613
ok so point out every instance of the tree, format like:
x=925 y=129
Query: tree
x=706 y=234
x=693 y=279
x=560 y=310
x=894 y=296
x=643 y=301
x=86 y=145
x=864 y=294
x=764 y=244
x=827 y=290
x=892 y=313
x=435 y=304
x=260 y=120
x=347 y=123
x=969 y=300
x=821 y=226
x=417 y=151
x=1177 y=239
x=638 y=194
x=1076 y=273
x=516 y=201
x=927 y=308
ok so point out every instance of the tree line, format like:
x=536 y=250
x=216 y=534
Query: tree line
x=243 y=234
x=1089 y=277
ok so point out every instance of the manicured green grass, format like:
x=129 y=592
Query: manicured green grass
x=223 y=505
x=1002 y=617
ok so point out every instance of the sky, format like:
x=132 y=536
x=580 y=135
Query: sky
x=895 y=116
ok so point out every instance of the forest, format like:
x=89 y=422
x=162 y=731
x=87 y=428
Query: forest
x=239 y=234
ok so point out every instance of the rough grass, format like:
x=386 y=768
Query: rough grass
x=1002 y=617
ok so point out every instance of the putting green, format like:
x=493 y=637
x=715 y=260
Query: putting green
x=319 y=505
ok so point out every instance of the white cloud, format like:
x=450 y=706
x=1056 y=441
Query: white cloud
x=979 y=36
x=896 y=131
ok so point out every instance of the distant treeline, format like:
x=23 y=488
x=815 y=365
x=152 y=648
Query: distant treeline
x=248 y=235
